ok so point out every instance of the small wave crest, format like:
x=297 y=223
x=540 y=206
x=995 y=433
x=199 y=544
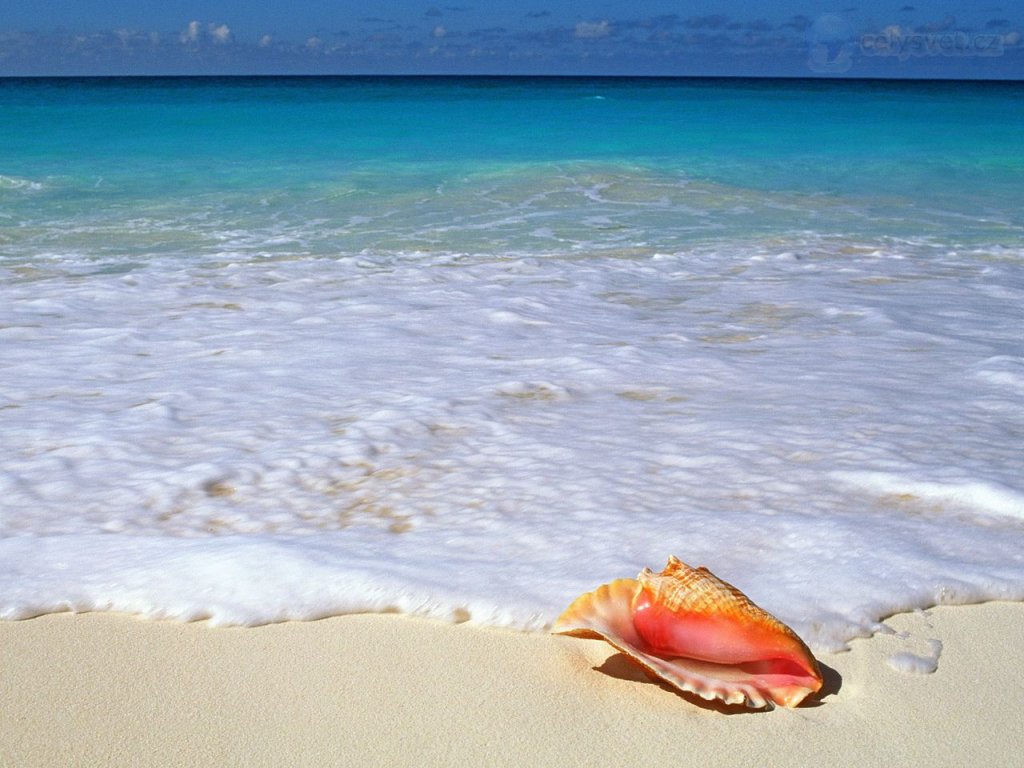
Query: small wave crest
x=18 y=183
x=974 y=495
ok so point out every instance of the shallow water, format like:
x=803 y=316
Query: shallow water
x=288 y=348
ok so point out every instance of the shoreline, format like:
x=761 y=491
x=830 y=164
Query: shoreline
x=379 y=689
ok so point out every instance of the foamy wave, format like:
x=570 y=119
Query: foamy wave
x=1002 y=371
x=15 y=182
x=491 y=434
x=978 y=496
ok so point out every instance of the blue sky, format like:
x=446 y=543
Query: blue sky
x=861 y=38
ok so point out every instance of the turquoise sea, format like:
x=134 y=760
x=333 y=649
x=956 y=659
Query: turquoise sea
x=127 y=168
x=289 y=347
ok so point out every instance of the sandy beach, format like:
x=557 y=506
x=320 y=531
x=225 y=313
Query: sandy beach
x=109 y=689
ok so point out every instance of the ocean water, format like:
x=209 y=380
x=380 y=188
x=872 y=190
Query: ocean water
x=288 y=348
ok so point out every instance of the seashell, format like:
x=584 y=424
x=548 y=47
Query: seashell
x=699 y=634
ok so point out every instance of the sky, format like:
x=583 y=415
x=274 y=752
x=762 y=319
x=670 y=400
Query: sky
x=854 y=38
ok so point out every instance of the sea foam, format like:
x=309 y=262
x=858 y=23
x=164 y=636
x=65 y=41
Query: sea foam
x=291 y=439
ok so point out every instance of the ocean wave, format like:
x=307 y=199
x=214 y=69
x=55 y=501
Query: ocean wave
x=19 y=184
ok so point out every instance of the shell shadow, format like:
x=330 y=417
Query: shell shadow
x=621 y=667
x=831 y=682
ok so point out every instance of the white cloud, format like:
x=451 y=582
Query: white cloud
x=314 y=43
x=440 y=31
x=265 y=41
x=220 y=33
x=191 y=34
x=591 y=30
x=194 y=33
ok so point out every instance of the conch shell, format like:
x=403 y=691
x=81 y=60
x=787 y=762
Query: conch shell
x=699 y=634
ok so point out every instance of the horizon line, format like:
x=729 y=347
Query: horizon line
x=505 y=76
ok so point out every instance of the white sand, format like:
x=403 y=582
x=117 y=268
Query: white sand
x=103 y=689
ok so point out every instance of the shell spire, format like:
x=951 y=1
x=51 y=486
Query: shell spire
x=700 y=634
